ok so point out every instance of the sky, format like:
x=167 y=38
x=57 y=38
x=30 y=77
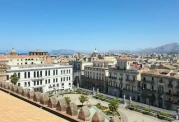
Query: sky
x=83 y=25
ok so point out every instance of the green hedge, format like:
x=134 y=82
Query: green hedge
x=162 y=115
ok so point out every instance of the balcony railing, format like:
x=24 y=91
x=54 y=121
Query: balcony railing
x=170 y=85
x=147 y=91
x=129 y=90
x=172 y=102
x=148 y=81
x=113 y=77
x=37 y=78
x=171 y=94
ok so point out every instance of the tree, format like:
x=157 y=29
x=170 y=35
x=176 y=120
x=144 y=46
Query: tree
x=14 y=79
x=104 y=98
x=83 y=98
x=113 y=105
x=68 y=100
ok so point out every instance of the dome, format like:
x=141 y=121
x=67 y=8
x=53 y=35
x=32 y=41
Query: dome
x=13 y=51
x=95 y=51
x=38 y=49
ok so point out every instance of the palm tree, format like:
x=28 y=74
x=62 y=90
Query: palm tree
x=113 y=105
x=14 y=79
x=68 y=100
x=83 y=99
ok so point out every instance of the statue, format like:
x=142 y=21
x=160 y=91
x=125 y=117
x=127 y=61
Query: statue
x=77 y=85
x=93 y=91
x=97 y=90
x=177 y=111
x=124 y=99
x=130 y=100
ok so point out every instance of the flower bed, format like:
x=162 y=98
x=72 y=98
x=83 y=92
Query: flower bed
x=147 y=111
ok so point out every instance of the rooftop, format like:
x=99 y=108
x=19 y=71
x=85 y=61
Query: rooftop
x=26 y=112
x=105 y=61
x=16 y=56
x=36 y=66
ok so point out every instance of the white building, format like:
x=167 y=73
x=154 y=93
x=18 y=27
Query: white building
x=43 y=77
x=21 y=59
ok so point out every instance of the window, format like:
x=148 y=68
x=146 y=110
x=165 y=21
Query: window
x=28 y=83
x=144 y=86
x=19 y=75
x=152 y=87
x=62 y=84
x=69 y=78
x=34 y=83
x=40 y=73
x=49 y=81
x=49 y=73
x=28 y=74
x=25 y=75
x=53 y=80
x=25 y=84
x=61 y=72
x=53 y=72
x=37 y=82
x=69 y=84
x=34 y=74
x=56 y=72
x=46 y=73
x=53 y=85
x=57 y=85
x=40 y=82
x=19 y=84
x=61 y=79
x=64 y=79
x=37 y=73
x=45 y=81
x=69 y=71
x=56 y=79
x=152 y=79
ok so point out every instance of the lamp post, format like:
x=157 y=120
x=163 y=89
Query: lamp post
x=177 y=112
x=150 y=99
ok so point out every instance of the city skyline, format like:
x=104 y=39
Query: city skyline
x=82 y=26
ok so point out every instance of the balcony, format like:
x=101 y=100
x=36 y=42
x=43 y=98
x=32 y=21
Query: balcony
x=129 y=90
x=148 y=91
x=129 y=80
x=170 y=85
x=113 y=77
x=172 y=102
x=172 y=95
x=147 y=81
x=177 y=87
x=38 y=78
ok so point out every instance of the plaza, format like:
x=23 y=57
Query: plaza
x=127 y=115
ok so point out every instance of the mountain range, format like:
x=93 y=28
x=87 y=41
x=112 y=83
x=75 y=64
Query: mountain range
x=63 y=52
x=167 y=48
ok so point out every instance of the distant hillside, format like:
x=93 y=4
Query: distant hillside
x=167 y=48
x=63 y=52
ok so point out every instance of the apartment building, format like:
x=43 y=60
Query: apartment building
x=21 y=59
x=96 y=75
x=78 y=70
x=42 y=77
x=124 y=79
x=160 y=88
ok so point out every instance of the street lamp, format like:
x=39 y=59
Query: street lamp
x=150 y=95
